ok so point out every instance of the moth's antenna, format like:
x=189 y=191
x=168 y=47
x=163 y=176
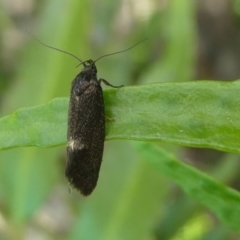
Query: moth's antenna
x=120 y=51
x=68 y=53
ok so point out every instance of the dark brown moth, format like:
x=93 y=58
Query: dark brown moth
x=86 y=125
x=86 y=129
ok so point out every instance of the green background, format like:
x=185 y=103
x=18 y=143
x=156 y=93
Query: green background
x=147 y=188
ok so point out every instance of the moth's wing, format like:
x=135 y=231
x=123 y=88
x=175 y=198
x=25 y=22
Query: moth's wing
x=86 y=133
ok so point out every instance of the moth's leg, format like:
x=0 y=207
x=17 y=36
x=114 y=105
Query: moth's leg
x=108 y=84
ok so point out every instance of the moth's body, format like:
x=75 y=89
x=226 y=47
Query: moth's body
x=86 y=130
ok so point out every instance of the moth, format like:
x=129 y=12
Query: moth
x=86 y=124
x=86 y=129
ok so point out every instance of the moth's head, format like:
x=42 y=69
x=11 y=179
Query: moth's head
x=89 y=65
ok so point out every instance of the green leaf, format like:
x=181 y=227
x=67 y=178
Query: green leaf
x=199 y=114
x=223 y=201
x=42 y=126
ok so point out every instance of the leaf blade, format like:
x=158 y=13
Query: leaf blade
x=201 y=114
x=222 y=200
